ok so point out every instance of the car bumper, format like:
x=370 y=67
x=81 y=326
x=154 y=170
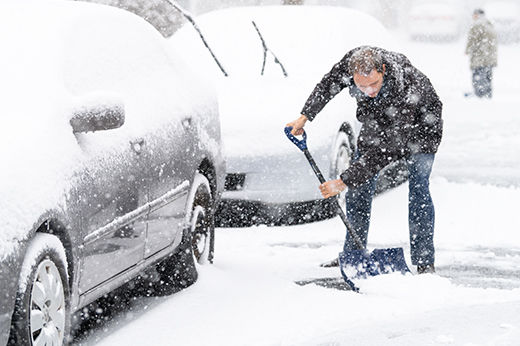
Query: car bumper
x=282 y=203
x=240 y=213
x=277 y=179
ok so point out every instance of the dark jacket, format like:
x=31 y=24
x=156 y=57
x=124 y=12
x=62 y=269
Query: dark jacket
x=404 y=118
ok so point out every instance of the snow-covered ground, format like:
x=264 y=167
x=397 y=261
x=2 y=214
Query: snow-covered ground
x=248 y=297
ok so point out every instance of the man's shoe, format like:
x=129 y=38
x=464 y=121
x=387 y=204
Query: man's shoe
x=329 y=264
x=425 y=269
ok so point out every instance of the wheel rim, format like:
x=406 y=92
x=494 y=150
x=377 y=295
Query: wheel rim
x=342 y=160
x=199 y=231
x=47 y=306
x=342 y=163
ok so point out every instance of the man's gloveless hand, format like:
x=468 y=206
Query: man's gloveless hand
x=332 y=188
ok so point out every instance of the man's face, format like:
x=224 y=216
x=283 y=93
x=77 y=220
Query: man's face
x=371 y=84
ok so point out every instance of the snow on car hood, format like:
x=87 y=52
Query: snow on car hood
x=257 y=110
x=307 y=40
x=39 y=153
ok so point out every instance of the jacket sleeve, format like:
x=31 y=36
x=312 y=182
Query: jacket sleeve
x=331 y=84
x=428 y=136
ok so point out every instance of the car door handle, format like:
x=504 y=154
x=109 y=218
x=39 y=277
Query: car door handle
x=186 y=122
x=137 y=145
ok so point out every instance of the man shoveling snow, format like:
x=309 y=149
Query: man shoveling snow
x=400 y=114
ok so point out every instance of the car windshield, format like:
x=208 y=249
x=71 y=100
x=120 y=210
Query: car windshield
x=298 y=46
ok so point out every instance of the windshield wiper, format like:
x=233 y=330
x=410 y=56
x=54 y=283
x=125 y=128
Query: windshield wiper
x=266 y=49
x=192 y=21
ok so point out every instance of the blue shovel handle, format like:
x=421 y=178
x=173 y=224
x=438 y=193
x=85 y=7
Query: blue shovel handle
x=301 y=144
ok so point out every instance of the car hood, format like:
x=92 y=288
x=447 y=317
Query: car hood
x=254 y=108
x=254 y=113
x=306 y=39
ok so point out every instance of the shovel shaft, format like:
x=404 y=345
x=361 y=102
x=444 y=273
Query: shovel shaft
x=314 y=166
x=339 y=210
x=302 y=145
x=350 y=230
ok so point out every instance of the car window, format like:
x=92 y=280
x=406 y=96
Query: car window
x=117 y=53
x=159 y=13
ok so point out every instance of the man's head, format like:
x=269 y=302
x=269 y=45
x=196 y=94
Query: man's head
x=367 y=68
x=478 y=13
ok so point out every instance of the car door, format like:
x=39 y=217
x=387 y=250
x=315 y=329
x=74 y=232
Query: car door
x=108 y=58
x=173 y=169
x=173 y=155
x=113 y=204
x=126 y=59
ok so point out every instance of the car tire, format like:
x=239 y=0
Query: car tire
x=392 y=176
x=202 y=221
x=178 y=271
x=42 y=308
x=341 y=159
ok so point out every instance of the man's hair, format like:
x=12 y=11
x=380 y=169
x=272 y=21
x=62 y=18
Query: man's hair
x=479 y=12
x=365 y=60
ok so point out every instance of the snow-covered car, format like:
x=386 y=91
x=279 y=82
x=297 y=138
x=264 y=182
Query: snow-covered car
x=434 y=21
x=505 y=16
x=268 y=180
x=111 y=163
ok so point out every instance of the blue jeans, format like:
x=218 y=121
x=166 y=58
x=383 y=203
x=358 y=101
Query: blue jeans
x=421 y=213
x=481 y=80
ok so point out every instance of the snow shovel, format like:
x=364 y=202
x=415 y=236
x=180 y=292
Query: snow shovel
x=358 y=263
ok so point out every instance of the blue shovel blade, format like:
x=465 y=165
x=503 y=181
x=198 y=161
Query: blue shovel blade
x=356 y=264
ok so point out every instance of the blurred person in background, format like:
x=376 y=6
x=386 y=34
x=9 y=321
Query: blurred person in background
x=482 y=50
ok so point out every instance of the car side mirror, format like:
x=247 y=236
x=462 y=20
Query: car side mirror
x=97 y=118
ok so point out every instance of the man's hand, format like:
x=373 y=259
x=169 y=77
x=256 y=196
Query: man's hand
x=297 y=125
x=332 y=188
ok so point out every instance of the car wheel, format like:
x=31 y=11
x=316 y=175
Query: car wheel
x=178 y=271
x=391 y=176
x=41 y=315
x=202 y=222
x=341 y=159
